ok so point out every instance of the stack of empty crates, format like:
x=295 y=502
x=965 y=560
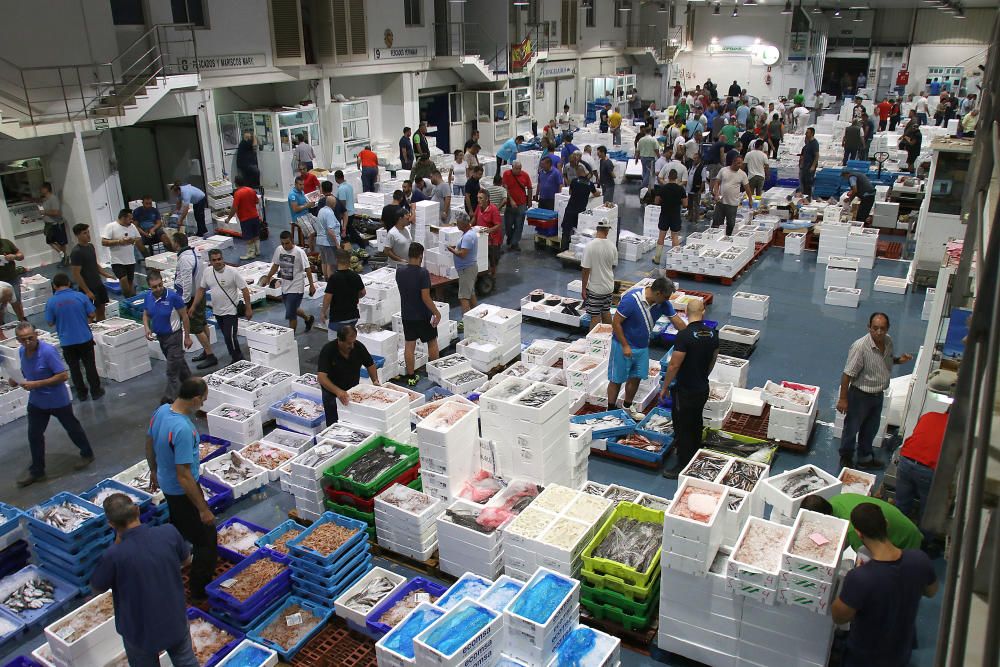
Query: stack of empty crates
x=437 y=259
x=841 y=272
x=492 y=336
x=120 y=352
x=750 y=306
x=36 y=289
x=381 y=298
x=795 y=243
x=449 y=454
x=886 y=215
x=793 y=411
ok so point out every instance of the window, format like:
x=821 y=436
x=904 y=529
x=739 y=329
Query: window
x=413 y=12
x=188 y=11
x=567 y=23
x=127 y=12
x=589 y=18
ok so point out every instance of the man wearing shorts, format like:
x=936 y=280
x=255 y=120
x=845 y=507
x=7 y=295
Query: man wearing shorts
x=420 y=315
x=465 y=261
x=147 y=219
x=187 y=277
x=637 y=312
x=598 y=280
x=87 y=272
x=344 y=288
x=121 y=238
x=55 y=223
x=292 y=266
x=245 y=209
x=302 y=219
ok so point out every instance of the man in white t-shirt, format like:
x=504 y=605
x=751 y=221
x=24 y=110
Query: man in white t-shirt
x=397 y=247
x=799 y=116
x=920 y=106
x=291 y=264
x=730 y=185
x=598 y=275
x=227 y=288
x=120 y=238
x=671 y=163
x=757 y=168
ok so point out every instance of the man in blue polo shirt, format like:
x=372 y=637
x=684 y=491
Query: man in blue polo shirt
x=143 y=570
x=190 y=199
x=165 y=317
x=45 y=378
x=550 y=182
x=72 y=312
x=172 y=455
x=637 y=312
x=147 y=218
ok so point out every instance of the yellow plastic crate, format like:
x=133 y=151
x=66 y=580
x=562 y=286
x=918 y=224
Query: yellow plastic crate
x=627 y=575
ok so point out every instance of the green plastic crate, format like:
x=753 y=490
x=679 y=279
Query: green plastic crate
x=334 y=477
x=626 y=574
x=351 y=512
x=606 y=596
x=607 y=612
x=610 y=582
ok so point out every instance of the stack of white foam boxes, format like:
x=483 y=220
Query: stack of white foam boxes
x=13 y=403
x=886 y=214
x=535 y=643
x=381 y=409
x=862 y=243
x=462 y=548
x=891 y=285
x=90 y=644
x=447 y=365
x=425 y=214
x=651 y=221
x=719 y=404
x=841 y=272
x=832 y=240
x=492 y=336
x=925 y=310
x=382 y=343
x=437 y=258
x=235 y=423
x=785 y=507
x=400 y=530
x=120 y=350
x=250 y=385
x=731 y=370
x=272 y=345
x=750 y=306
x=791 y=420
x=447 y=439
x=381 y=298
x=689 y=544
x=36 y=289
x=446 y=332
x=527 y=424
x=305 y=471
x=795 y=243
x=805 y=582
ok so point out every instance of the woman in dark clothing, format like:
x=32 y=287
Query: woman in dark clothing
x=246 y=160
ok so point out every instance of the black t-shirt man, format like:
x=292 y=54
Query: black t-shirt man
x=344 y=287
x=607 y=173
x=411 y=280
x=343 y=372
x=85 y=257
x=472 y=190
x=580 y=190
x=670 y=195
x=698 y=343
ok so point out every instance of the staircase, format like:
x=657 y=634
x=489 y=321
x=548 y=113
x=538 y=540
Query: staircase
x=47 y=101
x=466 y=49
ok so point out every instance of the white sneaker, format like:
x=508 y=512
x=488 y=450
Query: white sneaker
x=636 y=415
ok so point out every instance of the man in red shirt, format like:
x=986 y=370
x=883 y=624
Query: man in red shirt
x=884 y=107
x=245 y=209
x=311 y=184
x=368 y=164
x=487 y=216
x=918 y=460
x=518 y=185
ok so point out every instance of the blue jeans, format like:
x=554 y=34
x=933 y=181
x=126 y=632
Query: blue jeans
x=369 y=177
x=647 y=171
x=334 y=327
x=513 y=219
x=38 y=421
x=913 y=485
x=181 y=654
x=860 y=423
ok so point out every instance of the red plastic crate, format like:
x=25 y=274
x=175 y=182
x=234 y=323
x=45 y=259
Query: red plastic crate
x=368 y=504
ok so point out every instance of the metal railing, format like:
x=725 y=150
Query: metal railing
x=955 y=503
x=456 y=38
x=74 y=92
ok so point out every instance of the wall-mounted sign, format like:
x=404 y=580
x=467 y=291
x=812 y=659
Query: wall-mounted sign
x=729 y=48
x=203 y=63
x=400 y=52
x=556 y=71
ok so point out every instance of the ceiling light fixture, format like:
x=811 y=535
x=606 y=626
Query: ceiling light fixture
x=749 y=3
x=715 y=40
x=837 y=14
x=788 y=7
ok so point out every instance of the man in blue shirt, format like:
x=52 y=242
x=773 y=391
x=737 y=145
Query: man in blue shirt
x=568 y=147
x=466 y=253
x=165 y=317
x=143 y=570
x=298 y=208
x=637 y=312
x=190 y=199
x=172 y=455
x=72 y=312
x=508 y=151
x=45 y=378
x=549 y=183
x=742 y=113
x=147 y=218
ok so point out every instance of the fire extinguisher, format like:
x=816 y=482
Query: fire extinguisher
x=767 y=79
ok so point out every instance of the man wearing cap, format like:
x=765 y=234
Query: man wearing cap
x=598 y=268
x=637 y=312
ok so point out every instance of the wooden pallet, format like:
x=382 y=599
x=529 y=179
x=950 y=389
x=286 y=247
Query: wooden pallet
x=756 y=427
x=428 y=567
x=722 y=280
x=550 y=242
x=639 y=641
x=336 y=646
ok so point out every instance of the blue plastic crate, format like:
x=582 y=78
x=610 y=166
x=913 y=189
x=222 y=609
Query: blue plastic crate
x=19 y=627
x=74 y=564
x=246 y=620
x=327 y=572
x=193 y=613
x=666 y=439
x=219 y=597
x=64 y=592
x=140 y=498
x=10 y=518
x=327 y=517
x=638 y=454
x=82 y=532
x=379 y=363
x=541 y=214
x=305 y=423
x=218 y=497
x=327 y=600
x=326 y=587
x=629 y=423
x=228 y=554
x=287 y=653
x=224 y=446
x=416 y=584
x=21 y=661
x=273 y=535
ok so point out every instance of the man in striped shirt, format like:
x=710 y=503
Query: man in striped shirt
x=866 y=376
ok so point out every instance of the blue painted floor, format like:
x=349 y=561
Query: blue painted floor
x=802 y=339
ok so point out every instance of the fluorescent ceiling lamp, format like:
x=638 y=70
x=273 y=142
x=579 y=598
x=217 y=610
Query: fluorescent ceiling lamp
x=788 y=7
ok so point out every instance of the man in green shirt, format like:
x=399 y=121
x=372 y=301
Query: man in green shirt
x=903 y=533
x=799 y=97
x=682 y=109
x=730 y=131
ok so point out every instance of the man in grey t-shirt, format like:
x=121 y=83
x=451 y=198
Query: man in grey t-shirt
x=598 y=275
x=55 y=223
x=397 y=245
x=441 y=193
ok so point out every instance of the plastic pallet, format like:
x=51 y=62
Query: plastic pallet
x=889 y=250
x=732 y=349
x=748 y=425
x=722 y=280
x=336 y=645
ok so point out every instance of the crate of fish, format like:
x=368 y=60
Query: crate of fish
x=469 y=629
x=542 y=614
x=34 y=596
x=396 y=648
x=235 y=472
x=288 y=629
x=407 y=508
x=249 y=654
x=211 y=638
x=705 y=465
x=369 y=402
x=10 y=525
x=639 y=447
x=857 y=481
x=586 y=646
x=260 y=578
x=218 y=496
x=138 y=477
x=276 y=541
x=298 y=442
x=627 y=546
x=236 y=538
x=355 y=603
x=785 y=492
x=370 y=468
x=299 y=413
x=694 y=525
x=815 y=547
x=658 y=426
x=101 y=491
x=327 y=538
x=607 y=424
x=754 y=567
x=269 y=456
x=87 y=635
x=307 y=468
x=744 y=475
x=586 y=373
x=499 y=595
x=67 y=521
x=394 y=607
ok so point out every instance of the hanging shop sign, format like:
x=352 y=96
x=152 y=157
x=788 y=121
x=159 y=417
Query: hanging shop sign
x=214 y=63
x=397 y=52
x=556 y=71
x=520 y=54
x=902 y=77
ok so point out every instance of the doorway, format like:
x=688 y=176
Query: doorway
x=153 y=155
x=840 y=75
x=434 y=111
